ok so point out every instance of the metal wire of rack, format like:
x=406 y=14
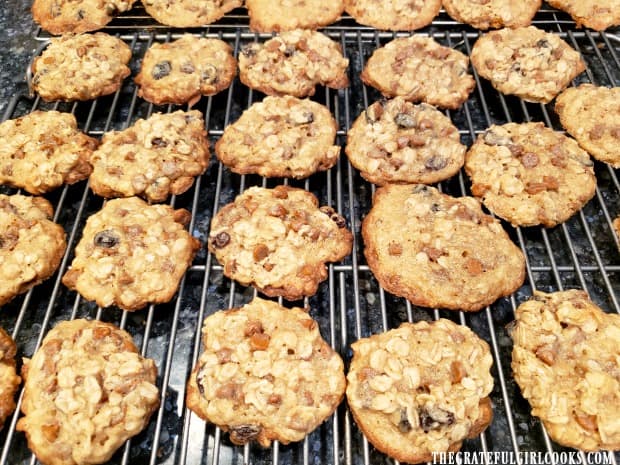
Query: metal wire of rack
x=582 y=253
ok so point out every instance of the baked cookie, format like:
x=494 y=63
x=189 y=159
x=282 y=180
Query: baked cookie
x=153 y=158
x=433 y=249
x=31 y=245
x=527 y=62
x=87 y=390
x=132 y=254
x=420 y=70
x=616 y=225
x=396 y=141
x=595 y=14
x=280 y=137
x=565 y=359
x=492 y=14
x=286 y=15
x=44 y=150
x=529 y=174
x=278 y=240
x=9 y=381
x=590 y=114
x=420 y=389
x=183 y=70
x=394 y=15
x=62 y=16
x=293 y=63
x=265 y=374
x=189 y=13
x=80 y=67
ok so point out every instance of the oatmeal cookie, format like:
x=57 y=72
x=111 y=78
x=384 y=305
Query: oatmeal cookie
x=393 y=15
x=44 y=150
x=80 y=67
x=153 y=158
x=595 y=14
x=565 y=359
x=189 y=13
x=87 y=390
x=492 y=14
x=132 y=254
x=433 y=249
x=420 y=389
x=280 y=137
x=265 y=374
x=286 y=15
x=529 y=174
x=9 y=381
x=62 y=16
x=420 y=70
x=278 y=240
x=590 y=114
x=396 y=141
x=293 y=63
x=183 y=70
x=31 y=244
x=527 y=62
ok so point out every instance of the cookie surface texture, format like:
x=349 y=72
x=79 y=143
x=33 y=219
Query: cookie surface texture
x=265 y=374
x=420 y=388
x=565 y=359
x=189 y=13
x=62 y=16
x=183 y=70
x=527 y=62
x=419 y=69
x=394 y=15
x=293 y=63
x=31 y=245
x=87 y=390
x=286 y=15
x=429 y=248
x=396 y=141
x=492 y=14
x=81 y=67
x=595 y=14
x=44 y=150
x=9 y=381
x=278 y=240
x=132 y=254
x=590 y=114
x=529 y=174
x=280 y=137
x=154 y=158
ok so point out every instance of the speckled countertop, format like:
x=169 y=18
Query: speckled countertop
x=17 y=45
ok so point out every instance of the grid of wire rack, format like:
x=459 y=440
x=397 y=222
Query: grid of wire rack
x=582 y=253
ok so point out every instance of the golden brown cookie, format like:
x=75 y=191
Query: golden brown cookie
x=293 y=63
x=80 y=67
x=280 y=137
x=286 y=15
x=132 y=254
x=9 y=381
x=62 y=16
x=566 y=360
x=595 y=14
x=396 y=141
x=420 y=389
x=527 y=62
x=185 y=69
x=433 y=249
x=87 y=390
x=393 y=15
x=265 y=374
x=590 y=114
x=492 y=14
x=31 y=244
x=529 y=174
x=189 y=13
x=278 y=240
x=44 y=150
x=420 y=70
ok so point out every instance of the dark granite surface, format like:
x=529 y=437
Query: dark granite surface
x=17 y=46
